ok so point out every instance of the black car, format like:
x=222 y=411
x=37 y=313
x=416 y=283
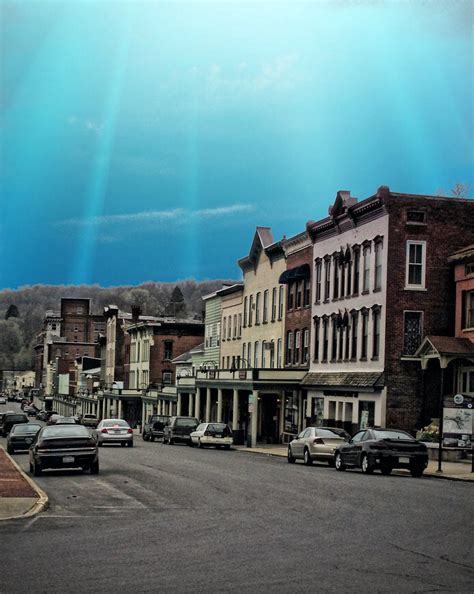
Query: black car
x=22 y=436
x=10 y=419
x=153 y=428
x=179 y=429
x=384 y=450
x=64 y=446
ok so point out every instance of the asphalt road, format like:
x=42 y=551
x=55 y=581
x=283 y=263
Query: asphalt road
x=177 y=519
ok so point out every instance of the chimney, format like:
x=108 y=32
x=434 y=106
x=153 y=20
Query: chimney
x=136 y=313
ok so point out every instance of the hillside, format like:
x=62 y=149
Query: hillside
x=17 y=333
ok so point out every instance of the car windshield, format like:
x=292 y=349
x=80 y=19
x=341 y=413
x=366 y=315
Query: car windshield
x=201 y=427
x=65 y=431
x=112 y=422
x=15 y=418
x=326 y=433
x=186 y=422
x=65 y=420
x=25 y=428
x=392 y=435
x=90 y=417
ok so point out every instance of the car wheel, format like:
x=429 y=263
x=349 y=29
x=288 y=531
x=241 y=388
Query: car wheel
x=31 y=468
x=95 y=467
x=170 y=441
x=100 y=444
x=338 y=463
x=130 y=444
x=416 y=472
x=164 y=440
x=291 y=459
x=37 y=470
x=386 y=470
x=10 y=450
x=366 y=465
x=307 y=458
x=144 y=437
x=123 y=444
x=227 y=447
x=152 y=438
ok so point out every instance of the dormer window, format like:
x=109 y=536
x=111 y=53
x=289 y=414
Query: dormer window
x=416 y=217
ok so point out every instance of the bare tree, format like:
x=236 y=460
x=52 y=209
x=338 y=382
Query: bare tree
x=459 y=190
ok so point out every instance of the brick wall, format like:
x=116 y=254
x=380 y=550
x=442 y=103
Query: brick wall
x=183 y=341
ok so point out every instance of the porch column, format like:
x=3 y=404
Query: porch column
x=208 y=404
x=235 y=409
x=253 y=406
x=143 y=413
x=178 y=409
x=219 y=405
x=119 y=409
x=197 y=404
x=191 y=404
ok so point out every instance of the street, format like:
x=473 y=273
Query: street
x=178 y=519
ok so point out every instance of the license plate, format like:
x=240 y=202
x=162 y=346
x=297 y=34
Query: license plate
x=68 y=459
x=404 y=460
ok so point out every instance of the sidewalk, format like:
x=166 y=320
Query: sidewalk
x=457 y=471
x=20 y=497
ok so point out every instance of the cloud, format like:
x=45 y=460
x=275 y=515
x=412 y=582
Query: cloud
x=88 y=124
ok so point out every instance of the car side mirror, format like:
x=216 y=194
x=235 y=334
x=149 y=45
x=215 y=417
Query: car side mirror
x=349 y=440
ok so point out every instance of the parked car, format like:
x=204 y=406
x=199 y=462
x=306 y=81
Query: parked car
x=179 y=429
x=65 y=421
x=21 y=436
x=43 y=415
x=384 y=450
x=153 y=428
x=63 y=446
x=338 y=431
x=52 y=419
x=89 y=420
x=314 y=443
x=30 y=410
x=3 y=400
x=10 y=419
x=114 y=431
x=212 y=434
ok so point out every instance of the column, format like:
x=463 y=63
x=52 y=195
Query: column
x=253 y=417
x=144 y=418
x=191 y=405
x=219 y=405
x=197 y=404
x=235 y=409
x=178 y=409
x=119 y=409
x=208 y=404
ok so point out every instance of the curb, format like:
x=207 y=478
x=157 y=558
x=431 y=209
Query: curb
x=43 y=500
x=446 y=477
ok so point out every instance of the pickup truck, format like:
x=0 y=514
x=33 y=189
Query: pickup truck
x=90 y=421
x=153 y=428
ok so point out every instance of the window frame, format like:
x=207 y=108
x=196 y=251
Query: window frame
x=422 y=285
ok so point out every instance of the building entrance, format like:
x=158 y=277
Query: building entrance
x=269 y=411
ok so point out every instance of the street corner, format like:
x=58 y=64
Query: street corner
x=20 y=496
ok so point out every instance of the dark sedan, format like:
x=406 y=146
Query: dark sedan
x=10 y=419
x=384 y=450
x=64 y=446
x=22 y=436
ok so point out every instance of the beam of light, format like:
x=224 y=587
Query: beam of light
x=94 y=201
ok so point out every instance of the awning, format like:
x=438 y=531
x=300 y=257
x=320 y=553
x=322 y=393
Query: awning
x=374 y=380
x=294 y=274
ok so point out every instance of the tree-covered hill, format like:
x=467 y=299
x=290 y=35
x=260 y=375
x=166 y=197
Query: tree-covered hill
x=22 y=310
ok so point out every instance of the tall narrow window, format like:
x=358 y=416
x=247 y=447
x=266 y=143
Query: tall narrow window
x=365 y=334
x=347 y=342
x=224 y=328
x=265 y=306
x=281 y=302
x=306 y=292
x=272 y=354
x=235 y=326
x=376 y=333
x=249 y=354
x=412 y=331
x=327 y=279
x=168 y=349
x=416 y=265
x=378 y=266
x=365 y=284
x=245 y=312
x=264 y=353
x=279 y=353
x=244 y=352
x=334 y=339
x=325 y=338
x=341 y=342
x=305 y=351
x=335 y=292
x=229 y=328
x=354 y=324
x=274 y=304
x=257 y=308
x=250 y=310
x=240 y=325
x=316 y=325
x=467 y=315
x=256 y=354
x=355 y=290
x=299 y=293
x=290 y=297
x=289 y=347
x=317 y=276
x=297 y=354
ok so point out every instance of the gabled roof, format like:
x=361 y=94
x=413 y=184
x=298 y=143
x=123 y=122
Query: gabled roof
x=445 y=345
x=466 y=253
x=262 y=241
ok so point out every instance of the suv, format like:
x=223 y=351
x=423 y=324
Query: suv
x=90 y=421
x=10 y=419
x=153 y=428
x=179 y=429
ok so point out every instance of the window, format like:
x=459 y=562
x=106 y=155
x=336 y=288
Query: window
x=334 y=339
x=168 y=349
x=347 y=343
x=245 y=312
x=280 y=303
x=244 y=351
x=240 y=325
x=354 y=324
x=167 y=377
x=264 y=352
x=235 y=326
x=469 y=270
x=223 y=362
x=305 y=353
x=341 y=341
x=250 y=310
x=306 y=292
x=256 y=354
x=289 y=304
x=366 y=279
x=229 y=327
x=289 y=347
x=416 y=216
x=299 y=293
x=274 y=304
x=297 y=346
x=376 y=333
x=224 y=328
x=218 y=333
x=416 y=264
x=257 y=308
x=335 y=293
x=317 y=276
x=343 y=278
x=412 y=331
x=316 y=325
x=279 y=353
x=365 y=334
x=349 y=279
x=355 y=290
x=325 y=338
x=272 y=354
x=378 y=266
x=327 y=279
x=265 y=306
x=467 y=317
x=249 y=354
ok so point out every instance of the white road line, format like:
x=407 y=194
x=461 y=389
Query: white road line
x=119 y=493
x=29 y=524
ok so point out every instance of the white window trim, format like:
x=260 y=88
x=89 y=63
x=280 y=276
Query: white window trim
x=422 y=286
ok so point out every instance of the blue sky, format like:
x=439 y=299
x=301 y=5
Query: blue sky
x=146 y=140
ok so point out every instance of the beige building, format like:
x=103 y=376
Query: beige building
x=231 y=326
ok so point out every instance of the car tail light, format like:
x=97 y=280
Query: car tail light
x=104 y=430
x=318 y=441
x=129 y=430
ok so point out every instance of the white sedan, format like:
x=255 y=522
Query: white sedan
x=3 y=400
x=212 y=434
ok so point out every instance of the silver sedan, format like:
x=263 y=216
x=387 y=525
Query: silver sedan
x=314 y=443
x=113 y=431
